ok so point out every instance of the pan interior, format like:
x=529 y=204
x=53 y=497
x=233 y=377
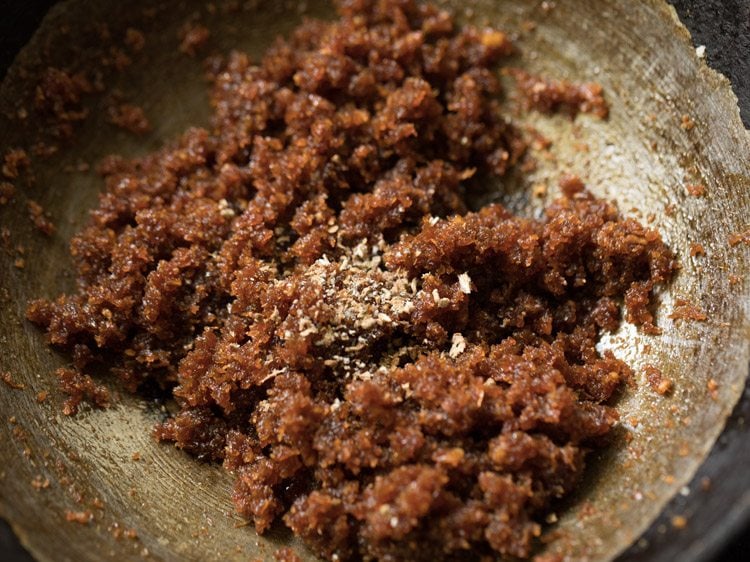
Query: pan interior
x=643 y=157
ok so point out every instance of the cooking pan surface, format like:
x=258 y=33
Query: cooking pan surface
x=643 y=157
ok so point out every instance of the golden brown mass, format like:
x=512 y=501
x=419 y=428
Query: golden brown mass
x=392 y=372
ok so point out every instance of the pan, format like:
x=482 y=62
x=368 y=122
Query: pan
x=674 y=122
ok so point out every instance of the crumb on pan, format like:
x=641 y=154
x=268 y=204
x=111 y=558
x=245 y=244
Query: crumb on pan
x=739 y=238
x=80 y=387
x=80 y=517
x=15 y=161
x=193 y=38
x=10 y=382
x=686 y=310
x=658 y=382
x=39 y=218
x=549 y=96
x=130 y=118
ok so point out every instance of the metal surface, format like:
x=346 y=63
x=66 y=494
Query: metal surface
x=641 y=157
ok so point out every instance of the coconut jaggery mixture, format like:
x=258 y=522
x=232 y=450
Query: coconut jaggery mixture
x=390 y=373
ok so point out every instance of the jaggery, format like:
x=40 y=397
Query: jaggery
x=392 y=372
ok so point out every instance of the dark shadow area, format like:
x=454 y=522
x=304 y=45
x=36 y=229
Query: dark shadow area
x=723 y=27
x=10 y=549
x=20 y=19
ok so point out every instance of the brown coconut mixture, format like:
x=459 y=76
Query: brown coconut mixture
x=391 y=373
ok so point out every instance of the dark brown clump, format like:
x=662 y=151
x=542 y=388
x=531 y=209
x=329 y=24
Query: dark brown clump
x=10 y=382
x=134 y=39
x=129 y=117
x=390 y=374
x=37 y=215
x=656 y=380
x=696 y=189
x=15 y=161
x=7 y=191
x=80 y=387
x=697 y=249
x=59 y=98
x=193 y=37
x=549 y=96
x=686 y=310
x=739 y=238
